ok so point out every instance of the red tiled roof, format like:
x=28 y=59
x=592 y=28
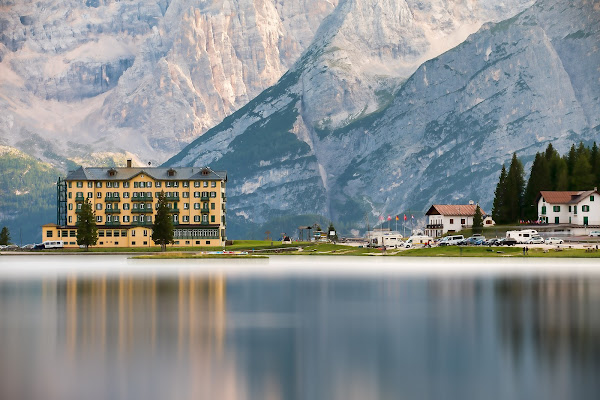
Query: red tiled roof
x=453 y=209
x=565 y=196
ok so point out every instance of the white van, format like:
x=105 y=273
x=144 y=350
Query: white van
x=418 y=240
x=522 y=236
x=54 y=244
x=451 y=240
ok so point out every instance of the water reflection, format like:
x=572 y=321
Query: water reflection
x=213 y=337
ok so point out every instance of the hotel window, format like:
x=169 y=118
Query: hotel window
x=99 y=195
x=69 y=185
x=451 y=220
x=135 y=218
x=186 y=218
x=79 y=184
x=98 y=206
x=125 y=218
x=569 y=208
x=196 y=184
x=117 y=233
x=125 y=184
x=168 y=184
x=108 y=218
x=109 y=233
x=205 y=218
x=115 y=218
x=186 y=184
x=125 y=206
x=136 y=184
x=205 y=183
x=149 y=184
x=196 y=194
x=123 y=233
x=98 y=184
x=186 y=195
x=556 y=208
x=70 y=219
x=108 y=184
x=72 y=233
x=196 y=206
x=213 y=194
x=212 y=218
x=90 y=195
x=70 y=206
x=157 y=184
x=98 y=218
x=108 y=206
x=70 y=195
x=90 y=185
x=175 y=218
x=115 y=194
x=115 y=184
x=186 y=206
x=196 y=218
x=133 y=234
x=145 y=233
x=49 y=234
x=463 y=221
x=212 y=206
x=79 y=206
x=125 y=195
x=591 y=198
x=585 y=208
x=213 y=184
x=100 y=233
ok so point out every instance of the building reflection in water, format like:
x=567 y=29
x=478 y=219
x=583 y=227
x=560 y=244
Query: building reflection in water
x=207 y=337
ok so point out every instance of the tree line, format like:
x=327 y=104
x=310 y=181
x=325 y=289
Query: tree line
x=514 y=199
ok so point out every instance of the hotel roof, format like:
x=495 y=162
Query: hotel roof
x=157 y=173
x=565 y=196
x=467 y=210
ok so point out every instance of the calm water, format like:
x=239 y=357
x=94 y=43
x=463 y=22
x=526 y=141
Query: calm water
x=298 y=328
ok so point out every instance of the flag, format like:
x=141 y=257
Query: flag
x=397 y=218
x=405 y=217
x=381 y=218
x=389 y=217
x=412 y=216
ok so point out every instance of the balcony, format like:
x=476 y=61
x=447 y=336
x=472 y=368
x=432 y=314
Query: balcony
x=113 y=223
x=174 y=210
x=224 y=198
x=109 y=199
x=136 y=210
x=434 y=226
x=79 y=198
x=112 y=211
x=204 y=198
x=205 y=210
x=173 y=197
x=78 y=210
x=141 y=223
x=142 y=198
x=204 y=223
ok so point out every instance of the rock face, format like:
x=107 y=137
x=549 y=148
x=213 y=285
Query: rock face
x=145 y=76
x=339 y=138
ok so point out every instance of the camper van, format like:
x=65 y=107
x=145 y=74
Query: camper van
x=418 y=240
x=522 y=236
x=54 y=244
x=452 y=240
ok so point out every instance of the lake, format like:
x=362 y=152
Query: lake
x=107 y=327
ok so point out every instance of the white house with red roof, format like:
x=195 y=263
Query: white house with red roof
x=577 y=208
x=444 y=218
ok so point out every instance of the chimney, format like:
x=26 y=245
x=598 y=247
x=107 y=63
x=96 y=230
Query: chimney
x=129 y=163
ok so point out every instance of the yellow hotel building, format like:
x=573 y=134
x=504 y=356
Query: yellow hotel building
x=125 y=200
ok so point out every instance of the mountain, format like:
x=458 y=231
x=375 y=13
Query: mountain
x=27 y=195
x=139 y=76
x=374 y=129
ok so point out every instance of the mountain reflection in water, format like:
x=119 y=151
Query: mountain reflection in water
x=218 y=337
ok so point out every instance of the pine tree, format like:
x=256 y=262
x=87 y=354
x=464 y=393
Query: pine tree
x=162 y=230
x=515 y=188
x=499 y=208
x=4 y=236
x=582 y=177
x=478 y=220
x=539 y=179
x=87 y=231
x=595 y=163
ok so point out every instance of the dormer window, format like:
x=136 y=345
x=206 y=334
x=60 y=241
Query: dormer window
x=206 y=171
x=112 y=172
x=171 y=172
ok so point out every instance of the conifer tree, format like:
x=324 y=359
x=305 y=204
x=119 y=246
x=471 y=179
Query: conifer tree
x=582 y=177
x=87 y=231
x=499 y=208
x=478 y=220
x=162 y=230
x=539 y=179
x=515 y=187
x=4 y=236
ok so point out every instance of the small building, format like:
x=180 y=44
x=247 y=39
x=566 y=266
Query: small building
x=444 y=218
x=574 y=208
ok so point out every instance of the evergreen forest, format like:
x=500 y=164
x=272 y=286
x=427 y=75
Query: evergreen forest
x=515 y=198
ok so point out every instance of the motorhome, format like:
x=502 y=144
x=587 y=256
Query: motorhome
x=522 y=236
x=54 y=244
x=418 y=240
x=384 y=238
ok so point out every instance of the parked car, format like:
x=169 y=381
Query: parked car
x=536 y=240
x=39 y=246
x=27 y=247
x=554 y=240
x=507 y=242
x=595 y=233
x=491 y=242
x=452 y=240
x=473 y=241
